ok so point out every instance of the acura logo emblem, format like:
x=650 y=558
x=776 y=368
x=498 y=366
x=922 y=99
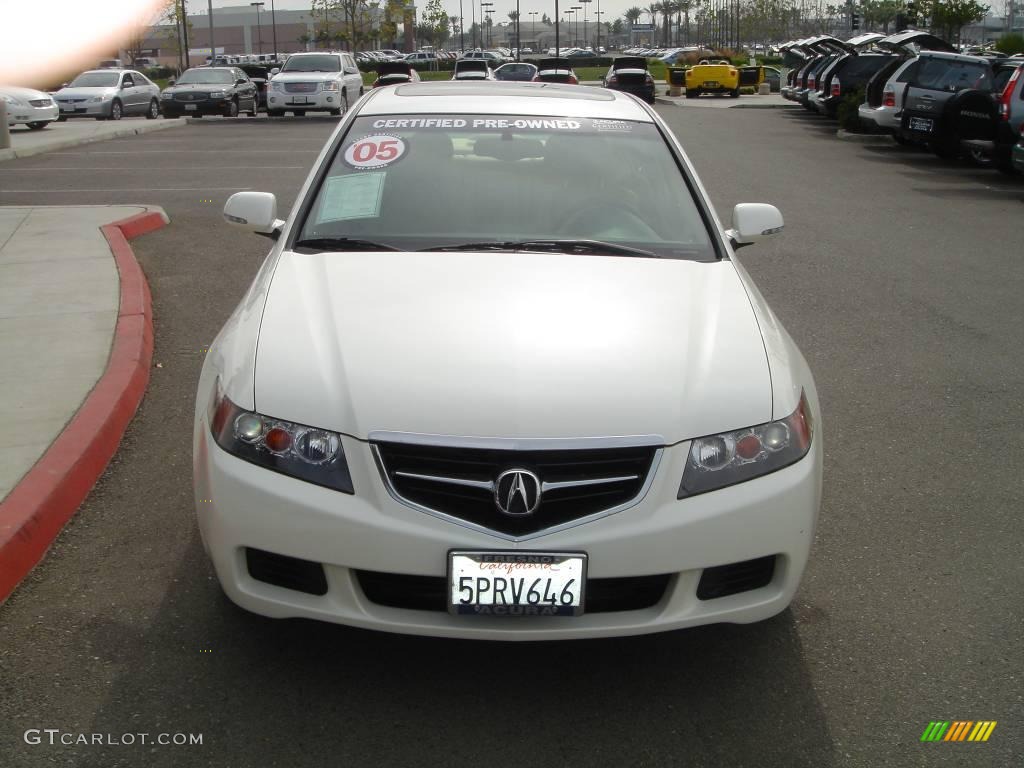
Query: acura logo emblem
x=517 y=492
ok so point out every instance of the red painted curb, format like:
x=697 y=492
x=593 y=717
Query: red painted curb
x=49 y=494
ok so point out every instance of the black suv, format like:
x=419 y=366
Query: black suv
x=951 y=98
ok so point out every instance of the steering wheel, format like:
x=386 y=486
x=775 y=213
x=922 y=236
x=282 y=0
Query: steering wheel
x=603 y=219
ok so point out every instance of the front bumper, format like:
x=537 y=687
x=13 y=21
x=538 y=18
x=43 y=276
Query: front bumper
x=172 y=108
x=18 y=114
x=240 y=505
x=86 y=109
x=319 y=101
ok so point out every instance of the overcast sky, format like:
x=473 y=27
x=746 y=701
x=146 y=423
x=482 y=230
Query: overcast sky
x=610 y=8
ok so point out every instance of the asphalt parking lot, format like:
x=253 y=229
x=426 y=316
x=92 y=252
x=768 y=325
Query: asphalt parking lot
x=898 y=275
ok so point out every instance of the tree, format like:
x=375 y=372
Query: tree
x=951 y=16
x=545 y=19
x=632 y=15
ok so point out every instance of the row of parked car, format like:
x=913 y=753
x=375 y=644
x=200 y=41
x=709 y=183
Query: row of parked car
x=918 y=88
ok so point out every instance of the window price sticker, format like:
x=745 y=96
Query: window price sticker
x=376 y=151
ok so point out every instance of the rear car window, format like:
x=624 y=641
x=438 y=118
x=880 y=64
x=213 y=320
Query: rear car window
x=864 y=65
x=946 y=75
x=417 y=182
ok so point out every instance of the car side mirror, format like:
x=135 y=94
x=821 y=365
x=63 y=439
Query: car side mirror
x=751 y=222
x=254 y=212
x=275 y=70
x=239 y=81
x=171 y=81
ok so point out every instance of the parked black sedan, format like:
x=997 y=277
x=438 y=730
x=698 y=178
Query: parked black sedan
x=629 y=73
x=210 y=91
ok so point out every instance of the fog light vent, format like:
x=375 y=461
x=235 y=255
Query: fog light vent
x=725 y=580
x=288 y=572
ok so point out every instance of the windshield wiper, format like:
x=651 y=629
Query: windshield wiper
x=321 y=244
x=558 y=246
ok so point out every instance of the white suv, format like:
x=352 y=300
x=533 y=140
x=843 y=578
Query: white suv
x=315 y=82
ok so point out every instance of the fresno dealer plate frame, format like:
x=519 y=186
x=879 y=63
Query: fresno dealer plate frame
x=512 y=556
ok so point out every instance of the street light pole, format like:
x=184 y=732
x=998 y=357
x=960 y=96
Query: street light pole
x=213 y=46
x=599 y=14
x=576 y=19
x=557 y=20
x=586 y=4
x=259 y=27
x=462 y=29
x=519 y=42
x=273 y=25
x=184 y=32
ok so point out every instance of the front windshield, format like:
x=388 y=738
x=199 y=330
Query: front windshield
x=96 y=80
x=324 y=63
x=418 y=182
x=206 y=76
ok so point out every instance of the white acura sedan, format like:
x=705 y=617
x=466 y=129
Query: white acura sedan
x=554 y=407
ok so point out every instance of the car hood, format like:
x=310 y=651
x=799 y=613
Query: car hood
x=24 y=94
x=86 y=93
x=510 y=345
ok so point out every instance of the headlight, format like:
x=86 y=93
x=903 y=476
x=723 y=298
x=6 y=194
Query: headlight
x=733 y=457
x=166 y=95
x=217 y=94
x=276 y=86
x=99 y=98
x=307 y=453
x=330 y=85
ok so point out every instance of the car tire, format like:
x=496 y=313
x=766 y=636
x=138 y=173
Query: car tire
x=116 y=110
x=61 y=119
x=947 y=150
x=275 y=113
x=692 y=93
x=299 y=112
x=734 y=93
x=38 y=125
x=232 y=108
x=154 y=110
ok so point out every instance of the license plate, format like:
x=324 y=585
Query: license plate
x=191 y=107
x=516 y=583
x=67 y=108
x=710 y=83
x=299 y=100
x=921 y=124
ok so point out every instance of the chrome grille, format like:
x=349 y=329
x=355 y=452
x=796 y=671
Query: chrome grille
x=459 y=482
x=191 y=96
x=300 y=87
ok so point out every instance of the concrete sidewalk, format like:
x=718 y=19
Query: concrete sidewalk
x=76 y=340
x=25 y=142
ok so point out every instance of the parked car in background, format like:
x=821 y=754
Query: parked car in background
x=315 y=82
x=629 y=74
x=517 y=70
x=883 y=95
x=555 y=70
x=421 y=57
x=718 y=77
x=472 y=69
x=395 y=72
x=200 y=91
x=26 y=106
x=494 y=58
x=259 y=74
x=949 y=100
x=848 y=72
x=1007 y=119
x=773 y=76
x=109 y=94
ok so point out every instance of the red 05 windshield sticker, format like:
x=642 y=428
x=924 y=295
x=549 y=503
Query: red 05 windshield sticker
x=376 y=151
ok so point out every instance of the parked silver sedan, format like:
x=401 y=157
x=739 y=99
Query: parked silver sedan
x=27 y=106
x=109 y=94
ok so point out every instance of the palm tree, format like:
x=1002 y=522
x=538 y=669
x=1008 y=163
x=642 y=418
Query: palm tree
x=653 y=9
x=632 y=15
x=684 y=7
x=668 y=7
